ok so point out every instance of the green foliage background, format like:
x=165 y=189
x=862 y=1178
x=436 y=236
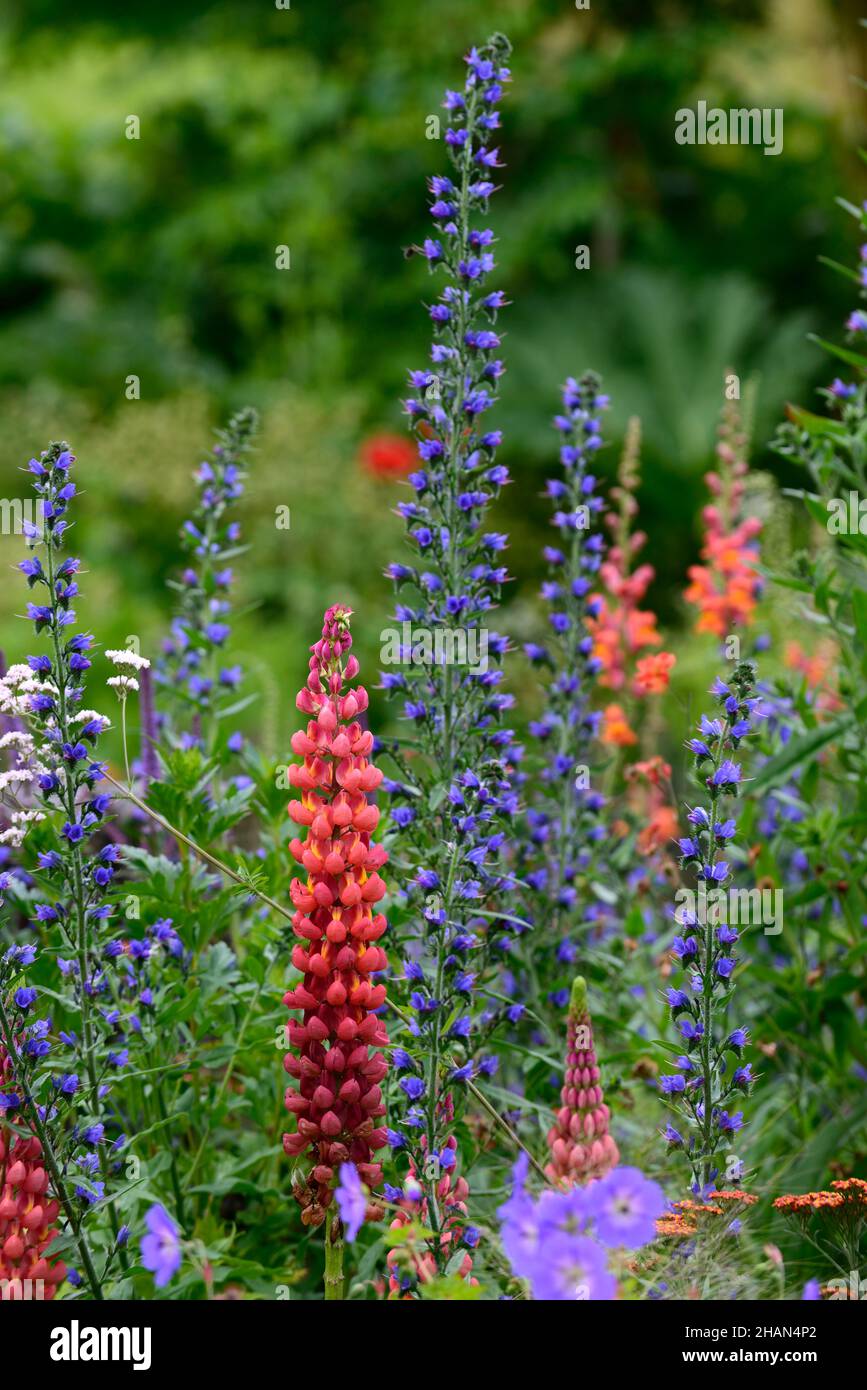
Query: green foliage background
x=306 y=127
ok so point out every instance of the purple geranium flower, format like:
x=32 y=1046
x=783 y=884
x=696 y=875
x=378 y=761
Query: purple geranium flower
x=351 y=1200
x=572 y=1268
x=161 y=1247
x=626 y=1206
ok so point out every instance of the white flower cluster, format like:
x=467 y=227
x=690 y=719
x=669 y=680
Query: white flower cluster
x=15 y=777
x=124 y=684
x=14 y=836
x=16 y=687
x=127 y=658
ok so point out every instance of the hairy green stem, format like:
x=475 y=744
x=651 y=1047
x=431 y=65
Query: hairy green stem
x=333 y=1259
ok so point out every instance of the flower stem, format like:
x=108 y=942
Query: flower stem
x=333 y=1259
x=197 y=849
x=123 y=736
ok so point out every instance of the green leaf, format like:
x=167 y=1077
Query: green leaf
x=840 y=269
x=797 y=750
x=859 y=609
x=814 y=424
x=854 y=359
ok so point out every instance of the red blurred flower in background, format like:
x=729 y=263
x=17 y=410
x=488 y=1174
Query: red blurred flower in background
x=388 y=455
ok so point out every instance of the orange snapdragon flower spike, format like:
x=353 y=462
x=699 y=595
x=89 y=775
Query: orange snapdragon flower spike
x=652 y=673
x=819 y=669
x=662 y=823
x=620 y=628
x=726 y=587
x=616 y=729
x=655 y=769
x=813 y=668
x=335 y=1056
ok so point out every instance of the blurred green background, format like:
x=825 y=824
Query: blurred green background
x=306 y=127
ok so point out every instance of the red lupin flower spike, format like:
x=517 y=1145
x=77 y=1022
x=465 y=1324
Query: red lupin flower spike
x=334 y=1055
x=27 y=1213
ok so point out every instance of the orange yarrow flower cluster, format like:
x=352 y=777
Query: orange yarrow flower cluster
x=685 y=1216
x=675 y=1227
x=843 y=1209
x=727 y=586
x=334 y=1055
x=853 y=1189
x=847 y=1196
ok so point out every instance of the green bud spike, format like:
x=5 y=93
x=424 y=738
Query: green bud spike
x=578 y=998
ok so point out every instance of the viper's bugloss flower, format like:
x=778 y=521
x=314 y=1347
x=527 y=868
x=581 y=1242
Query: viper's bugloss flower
x=581 y=1147
x=443 y=658
x=335 y=1057
x=58 y=745
x=706 y=1084
x=407 y=1264
x=193 y=677
x=563 y=821
x=47 y=693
